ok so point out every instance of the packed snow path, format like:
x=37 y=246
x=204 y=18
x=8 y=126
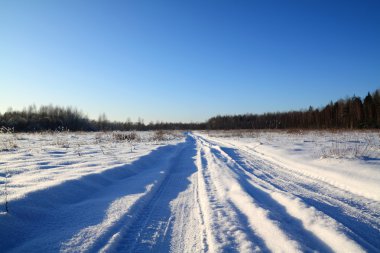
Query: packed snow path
x=202 y=195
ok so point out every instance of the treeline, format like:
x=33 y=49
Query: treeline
x=55 y=118
x=350 y=113
x=46 y=118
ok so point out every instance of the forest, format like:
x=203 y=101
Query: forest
x=350 y=113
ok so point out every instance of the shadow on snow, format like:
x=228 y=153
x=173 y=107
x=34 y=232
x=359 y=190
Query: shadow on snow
x=292 y=226
x=44 y=219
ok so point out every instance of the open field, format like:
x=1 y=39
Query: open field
x=217 y=191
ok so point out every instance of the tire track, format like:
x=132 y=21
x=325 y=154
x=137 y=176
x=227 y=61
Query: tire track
x=155 y=226
x=313 y=230
x=358 y=216
x=236 y=221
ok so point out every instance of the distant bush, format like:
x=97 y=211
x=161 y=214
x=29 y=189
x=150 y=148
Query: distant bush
x=8 y=139
x=129 y=136
x=159 y=135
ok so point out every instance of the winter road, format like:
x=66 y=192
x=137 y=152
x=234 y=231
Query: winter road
x=220 y=198
x=201 y=195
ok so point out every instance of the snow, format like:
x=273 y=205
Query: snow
x=303 y=154
x=216 y=191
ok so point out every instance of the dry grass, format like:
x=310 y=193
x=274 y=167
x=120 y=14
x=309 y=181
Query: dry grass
x=8 y=139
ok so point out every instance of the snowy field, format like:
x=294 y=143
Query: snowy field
x=218 y=191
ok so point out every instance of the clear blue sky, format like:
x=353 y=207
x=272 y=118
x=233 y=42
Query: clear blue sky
x=186 y=60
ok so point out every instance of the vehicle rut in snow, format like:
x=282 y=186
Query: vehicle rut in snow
x=161 y=222
x=309 y=215
x=218 y=198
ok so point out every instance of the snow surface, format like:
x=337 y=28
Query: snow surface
x=198 y=192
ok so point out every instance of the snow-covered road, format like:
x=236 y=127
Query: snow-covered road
x=269 y=207
x=201 y=195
